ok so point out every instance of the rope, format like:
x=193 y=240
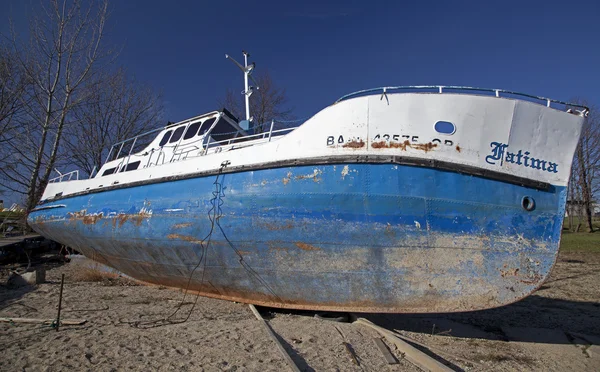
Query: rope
x=214 y=213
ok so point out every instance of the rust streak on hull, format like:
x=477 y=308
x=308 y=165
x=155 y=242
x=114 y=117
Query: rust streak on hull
x=403 y=145
x=355 y=144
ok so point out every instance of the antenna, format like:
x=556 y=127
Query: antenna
x=247 y=70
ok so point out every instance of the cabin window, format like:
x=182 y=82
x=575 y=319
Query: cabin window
x=444 y=127
x=165 y=138
x=109 y=171
x=206 y=126
x=177 y=134
x=131 y=166
x=192 y=130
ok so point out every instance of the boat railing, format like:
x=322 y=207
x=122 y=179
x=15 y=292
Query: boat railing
x=65 y=177
x=182 y=151
x=131 y=144
x=212 y=147
x=268 y=135
x=440 y=89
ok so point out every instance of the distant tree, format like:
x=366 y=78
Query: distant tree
x=62 y=56
x=585 y=173
x=117 y=108
x=267 y=103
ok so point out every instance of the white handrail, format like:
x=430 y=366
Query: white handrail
x=62 y=177
x=457 y=89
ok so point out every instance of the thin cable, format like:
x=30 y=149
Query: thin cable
x=243 y=263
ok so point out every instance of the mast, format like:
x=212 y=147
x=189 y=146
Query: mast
x=246 y=93
x=247 y=70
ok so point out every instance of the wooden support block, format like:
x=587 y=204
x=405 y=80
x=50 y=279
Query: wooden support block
x=413 y=355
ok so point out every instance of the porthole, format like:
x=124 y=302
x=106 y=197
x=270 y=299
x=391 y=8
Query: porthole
x=444 y=127
x=528 y=203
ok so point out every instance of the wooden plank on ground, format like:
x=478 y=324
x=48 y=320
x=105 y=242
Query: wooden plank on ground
x=286 y=356
x=387 y=354
x=42 y=321
x=349 y=349
x=412 y=354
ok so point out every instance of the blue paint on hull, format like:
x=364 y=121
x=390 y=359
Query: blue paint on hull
x=356 y=237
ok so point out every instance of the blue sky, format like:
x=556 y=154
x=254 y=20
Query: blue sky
x=319 y=51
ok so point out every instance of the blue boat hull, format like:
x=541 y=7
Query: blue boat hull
x=350 y=237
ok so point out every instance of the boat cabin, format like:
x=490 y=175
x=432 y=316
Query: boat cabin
x=193 y=137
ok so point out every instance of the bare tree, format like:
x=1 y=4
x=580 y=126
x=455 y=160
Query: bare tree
x=12 y=91
x=268 y=103
x=117 y=109
x=61 y=58
x=585 y=182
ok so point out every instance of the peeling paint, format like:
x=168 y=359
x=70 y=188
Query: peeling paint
x=509 y=272
x=185 y=238
x=182 y=225
x=91 y=219
x=313 y=176
x=345 y=171
x=287 y=178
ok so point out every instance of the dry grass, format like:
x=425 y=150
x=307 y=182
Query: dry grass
x=90 y=274
x=94 y=272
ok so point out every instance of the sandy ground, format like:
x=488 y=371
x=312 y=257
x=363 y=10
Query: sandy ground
x=555 y=329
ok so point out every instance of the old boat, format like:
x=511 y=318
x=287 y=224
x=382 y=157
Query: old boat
x=396 y=199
